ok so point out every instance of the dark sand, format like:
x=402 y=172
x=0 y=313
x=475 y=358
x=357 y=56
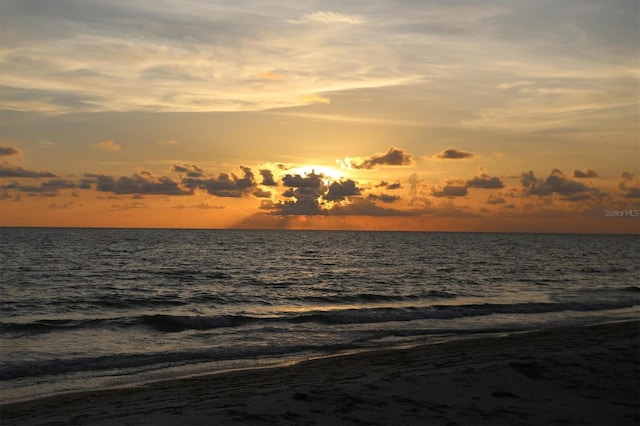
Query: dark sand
x=570 y=376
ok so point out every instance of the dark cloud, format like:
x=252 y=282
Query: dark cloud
x=143 y=182
x=49 y=188
x=418 y=198
x=453 y=154
x=130 y=206
x=341 y=190
x=389 y=186
x=202 y=206
x=485 y=181
x=358 y=206
x=303 y=206
x=86 y=183
x=495 y=200
x=190 y=170
x=224 y=185
x=365 y=207
x=267 y=205
x=385 y=198
x=227 y=185
x=393 y=157
x=7 y=150
x=267 y=178
x=310 y=195
x=64 y=206
x=530 y=182
x=260 y=193
x=311 y=180
x=557 y=183
x=626 y=176
x=56 y=184
x=582 y=196
x=8 y=170
x=633 y=192
x=414 y=184
x=306 y=190
x=584 y=174
x=449 y=191
x=629 y=187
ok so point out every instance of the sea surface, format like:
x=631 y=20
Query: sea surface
x=83 y=309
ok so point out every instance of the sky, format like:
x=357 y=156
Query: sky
x=429 y=115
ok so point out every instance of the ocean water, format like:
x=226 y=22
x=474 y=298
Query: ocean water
x=93 y=308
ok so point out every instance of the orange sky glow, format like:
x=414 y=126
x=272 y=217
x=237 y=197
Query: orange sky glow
x=502 y=116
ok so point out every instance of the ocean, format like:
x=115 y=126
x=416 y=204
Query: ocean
x=87 y=309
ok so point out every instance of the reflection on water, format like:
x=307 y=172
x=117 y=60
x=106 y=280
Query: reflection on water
x=90 y=307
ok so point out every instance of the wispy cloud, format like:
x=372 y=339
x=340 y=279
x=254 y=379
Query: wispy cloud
x=211 y=56
x=315 y=99
x=108 y=145
x=183 y=56
x=326 y=17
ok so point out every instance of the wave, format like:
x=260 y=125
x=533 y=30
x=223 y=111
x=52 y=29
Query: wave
x=376 y=298
x=605 y=270
x=164 y=323
x=50 y=325
x=379 y=315
x=176 y=323
x=123 y=362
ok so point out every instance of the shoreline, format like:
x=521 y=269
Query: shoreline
x=587 y=374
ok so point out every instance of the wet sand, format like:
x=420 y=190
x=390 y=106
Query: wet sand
x=564 y=376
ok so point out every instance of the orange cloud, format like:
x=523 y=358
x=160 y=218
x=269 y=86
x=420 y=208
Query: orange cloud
x=315 y=99
x=108 y=145
x=269 y=75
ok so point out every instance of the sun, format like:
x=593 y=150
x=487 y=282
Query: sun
x=330 y=174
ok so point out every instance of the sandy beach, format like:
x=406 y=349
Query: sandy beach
x=565 y=376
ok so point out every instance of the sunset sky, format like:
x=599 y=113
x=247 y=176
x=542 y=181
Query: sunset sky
x=465 y=115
